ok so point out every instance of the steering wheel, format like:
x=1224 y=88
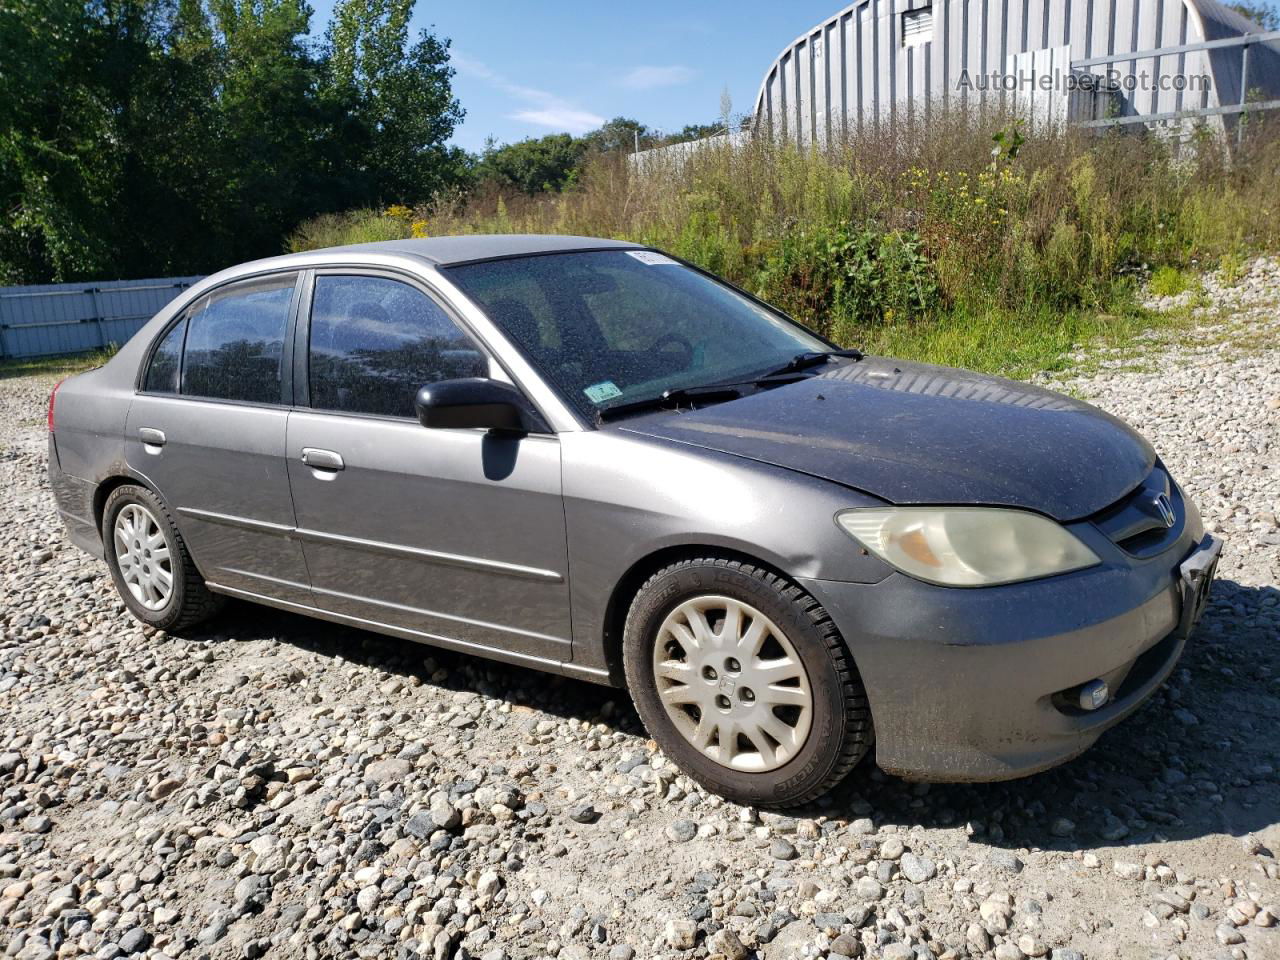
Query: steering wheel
x=685 y=346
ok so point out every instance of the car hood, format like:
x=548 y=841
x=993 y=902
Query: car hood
x=916 y=434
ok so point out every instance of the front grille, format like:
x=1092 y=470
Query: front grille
x=1136 y=523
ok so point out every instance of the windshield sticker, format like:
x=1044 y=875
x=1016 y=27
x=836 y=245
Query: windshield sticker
x=600 y=392
x=652 y=259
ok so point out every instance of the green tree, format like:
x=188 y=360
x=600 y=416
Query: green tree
x=1264 y=15
x=621 y=134
x=175 y=188
x=57 y=167
x=266 y=119
x=547 y=164
x=695 y=131
x=177 y=136
x=396 y=99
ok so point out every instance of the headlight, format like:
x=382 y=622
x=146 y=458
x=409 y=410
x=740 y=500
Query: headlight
x=967 y=546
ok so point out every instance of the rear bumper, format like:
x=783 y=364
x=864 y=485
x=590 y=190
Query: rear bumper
x=75 y=502
x=972 y=685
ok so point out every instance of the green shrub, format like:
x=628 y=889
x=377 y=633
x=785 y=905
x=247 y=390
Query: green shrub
x=1232 y=268
x=840 y=280
x=1168 y=282
x=357 y=226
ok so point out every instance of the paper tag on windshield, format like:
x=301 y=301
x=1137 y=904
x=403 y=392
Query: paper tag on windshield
x=600 y=392
x=652 y=259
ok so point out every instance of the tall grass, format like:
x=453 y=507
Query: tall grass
x=65 y=363
x=929 y=240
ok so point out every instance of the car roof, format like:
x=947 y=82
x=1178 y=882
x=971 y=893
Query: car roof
x=445 y=251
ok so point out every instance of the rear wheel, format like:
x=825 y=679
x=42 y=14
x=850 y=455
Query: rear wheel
x=149 y=563
x=743 y=680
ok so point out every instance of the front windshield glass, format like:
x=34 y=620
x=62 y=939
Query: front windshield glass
x=617 y=326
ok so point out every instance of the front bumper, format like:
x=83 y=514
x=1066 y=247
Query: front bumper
x=973 y=685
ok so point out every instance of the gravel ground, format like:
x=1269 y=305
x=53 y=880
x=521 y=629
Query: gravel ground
x=276 y=786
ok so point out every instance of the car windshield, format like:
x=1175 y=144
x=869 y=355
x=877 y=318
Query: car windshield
x=618 y=326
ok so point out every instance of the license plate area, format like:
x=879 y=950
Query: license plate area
x=1195 y=581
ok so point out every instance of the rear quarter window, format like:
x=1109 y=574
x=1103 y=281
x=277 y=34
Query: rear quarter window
x=166 y=361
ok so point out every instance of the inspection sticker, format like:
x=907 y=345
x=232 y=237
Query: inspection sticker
x=652 y=259
x=600 y=392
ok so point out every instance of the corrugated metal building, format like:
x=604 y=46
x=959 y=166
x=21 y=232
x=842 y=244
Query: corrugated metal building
x=52 y=318
x=877 y=60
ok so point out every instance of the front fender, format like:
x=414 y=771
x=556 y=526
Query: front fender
x=628 y=498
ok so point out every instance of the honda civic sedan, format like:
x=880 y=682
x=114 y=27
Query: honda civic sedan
x=592 y=458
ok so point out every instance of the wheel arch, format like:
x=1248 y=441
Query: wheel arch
x=629 y=584
x=109 y=485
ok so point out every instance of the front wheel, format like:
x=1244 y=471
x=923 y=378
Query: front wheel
x=744 y=681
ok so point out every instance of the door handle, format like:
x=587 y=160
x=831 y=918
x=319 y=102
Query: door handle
x=151 y=437
x=322 y=459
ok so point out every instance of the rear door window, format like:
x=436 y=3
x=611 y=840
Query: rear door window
x=374 y=342
x=235 y=341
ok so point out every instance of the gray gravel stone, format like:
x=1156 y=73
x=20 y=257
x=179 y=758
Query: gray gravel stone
x=868 y=888
x=134 y=940
x=1005 y=860
x=583 y=813
x=681 y=934
x=846 y=946
x=1126 y=870
x=681 y=831
x=917 y=869
x=781 y=849
x=727 y=944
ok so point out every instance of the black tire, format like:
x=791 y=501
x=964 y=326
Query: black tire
x=840 y=733
x=189 y=601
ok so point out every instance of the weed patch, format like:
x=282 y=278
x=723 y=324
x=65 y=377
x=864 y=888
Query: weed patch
x=920 y=241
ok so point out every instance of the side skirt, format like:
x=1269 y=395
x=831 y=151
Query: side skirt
x=590 y=674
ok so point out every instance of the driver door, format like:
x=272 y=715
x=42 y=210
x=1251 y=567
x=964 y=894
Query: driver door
x=455 y=535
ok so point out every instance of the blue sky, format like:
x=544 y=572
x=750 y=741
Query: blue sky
x=525 y=69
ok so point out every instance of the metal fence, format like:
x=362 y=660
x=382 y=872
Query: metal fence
x=1254 y=91
x=48 y=319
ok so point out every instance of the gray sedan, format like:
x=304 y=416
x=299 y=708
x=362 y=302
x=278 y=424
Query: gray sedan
x=587 y=457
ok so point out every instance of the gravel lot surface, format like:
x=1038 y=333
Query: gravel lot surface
x=274 y=786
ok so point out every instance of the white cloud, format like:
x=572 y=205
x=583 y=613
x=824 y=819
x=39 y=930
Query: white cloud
x=549 y=110
x=561 y=118
x=649 y=78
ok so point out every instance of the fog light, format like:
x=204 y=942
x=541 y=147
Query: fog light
x=1094 y=694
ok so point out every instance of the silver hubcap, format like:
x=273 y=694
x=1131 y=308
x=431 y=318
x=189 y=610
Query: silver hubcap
x=732 y=683
x=143 y=557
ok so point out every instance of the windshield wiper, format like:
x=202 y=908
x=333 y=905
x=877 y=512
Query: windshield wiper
x=732 y=390
x=711 y=393
x=810 y=358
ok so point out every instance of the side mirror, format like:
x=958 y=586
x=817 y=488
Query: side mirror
x=475 y=402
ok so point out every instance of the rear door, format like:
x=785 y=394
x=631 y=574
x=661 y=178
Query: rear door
x=207 y=430
x=458 y=535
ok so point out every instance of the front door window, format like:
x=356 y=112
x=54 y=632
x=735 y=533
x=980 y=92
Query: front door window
x=376 y=341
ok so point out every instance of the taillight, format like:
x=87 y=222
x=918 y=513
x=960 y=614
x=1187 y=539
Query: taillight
x=52 y=395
